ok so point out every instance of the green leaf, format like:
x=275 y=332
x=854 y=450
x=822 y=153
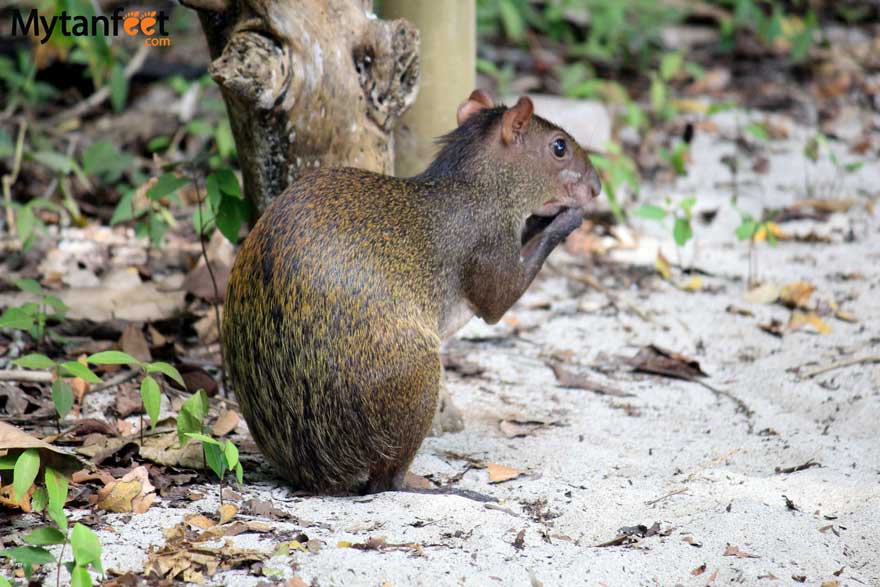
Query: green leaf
x=215 y=459
x=230 y=216
x=159 y=143
x=758 y=130
x=102 y=159
x=45 y=536
x=152 y=399
x=230 y=451
x=39 y=499
x=86 y=546
x=167 y=370
x=57 y=304
x=513 y=23
x=682 y=231
x=670 y=65
x=56 y=486
x=192 y=414
x=4 y=582
x=29 y=555
x=203 y=438
x=167 y=184
x=31 y=286
x=228 y=182
x=16 y=318
x=746 y=230
x=55 y=161
x=650 y=212
x=7 y=462
x=239 y=474
x=62 y=397
x=853 y=167
x=112 y=358
x=77 y=369
x=118 y=87
x=34 y=361
x=26 y=468
x=80 y=577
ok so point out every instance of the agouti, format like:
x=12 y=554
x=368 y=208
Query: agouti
x=341 y=294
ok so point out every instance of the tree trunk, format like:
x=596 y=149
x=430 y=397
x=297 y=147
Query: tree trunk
x=448 y=56
x=308 y=83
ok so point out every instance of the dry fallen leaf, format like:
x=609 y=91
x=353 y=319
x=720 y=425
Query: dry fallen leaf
x=659 y=361
x=135 y=344
x=414 y=481
x=732 y=550
x=200 y=521
x=226 y=423
x=771 y=228
x=695 y=283
x=500 y=473
x=14 y=441
x=766 y=293
x=801 y=320
x=796 y=294
x=296 y=582
x=662 y=266
x=566 y=378
x=133 y=493
x=227 y=512
x=699 y=570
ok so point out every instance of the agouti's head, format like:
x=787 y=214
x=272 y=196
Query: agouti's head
x=513 y=145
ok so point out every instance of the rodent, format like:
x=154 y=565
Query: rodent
x=342 y=292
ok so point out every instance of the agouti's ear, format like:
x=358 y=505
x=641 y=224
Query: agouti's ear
x=476 y=102
x=516 y=120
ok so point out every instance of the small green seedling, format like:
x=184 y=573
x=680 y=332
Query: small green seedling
x=84 y=542
x=31 y=317
x=151 y=394
x=682 y=215
x=220 y=456
x=619 y=174
x=748 y=230
x=62 y=395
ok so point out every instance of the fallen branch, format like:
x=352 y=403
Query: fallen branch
x=26 y=376
x=840 y=364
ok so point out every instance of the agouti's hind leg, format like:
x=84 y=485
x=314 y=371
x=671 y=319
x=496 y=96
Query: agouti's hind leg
x=387 y=479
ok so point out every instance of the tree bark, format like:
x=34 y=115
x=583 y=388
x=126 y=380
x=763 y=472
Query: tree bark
x=309 y=83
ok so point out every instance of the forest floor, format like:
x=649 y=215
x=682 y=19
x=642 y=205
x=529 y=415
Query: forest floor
x=766 y=471
x=646 y=415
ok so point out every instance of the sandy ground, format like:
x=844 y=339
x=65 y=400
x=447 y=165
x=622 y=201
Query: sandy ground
x=674 y=453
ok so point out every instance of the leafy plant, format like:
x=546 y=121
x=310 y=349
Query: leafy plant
x=62 y=395
x=32 y=317
x=20 y=84
x=681 y=214
x=752 y=230
x=151 y=394
x=226 y=207
x=220 y=455
x=149 y=207
x=619 y=173
x=85 y=544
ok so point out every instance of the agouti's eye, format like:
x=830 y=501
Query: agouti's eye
x=558 y=147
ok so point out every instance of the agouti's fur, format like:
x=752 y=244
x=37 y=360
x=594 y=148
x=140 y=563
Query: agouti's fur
x=342 y=292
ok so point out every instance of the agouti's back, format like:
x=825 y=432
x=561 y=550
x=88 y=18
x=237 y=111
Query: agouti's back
x=322 y=294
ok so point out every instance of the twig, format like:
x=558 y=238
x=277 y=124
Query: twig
x=9 y=179
x=592 y=282
x=803 y=467
x=98 y=97
x=115 y=380
x=667 y=496
x=211 y=274
x=26 y=376
x=741 y=406
x=841 y=364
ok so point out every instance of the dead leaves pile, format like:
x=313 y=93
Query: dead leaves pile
x=186 y=556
